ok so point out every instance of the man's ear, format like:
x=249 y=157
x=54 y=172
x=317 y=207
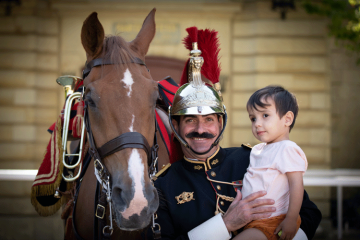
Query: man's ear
x=289 y=118
x=220 y=118
x=175 y=124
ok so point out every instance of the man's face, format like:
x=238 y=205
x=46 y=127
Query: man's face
x=199 y=131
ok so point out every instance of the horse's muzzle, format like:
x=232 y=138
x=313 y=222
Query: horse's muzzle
x=134 y=212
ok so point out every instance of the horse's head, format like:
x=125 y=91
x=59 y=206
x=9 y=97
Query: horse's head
x=120 y=96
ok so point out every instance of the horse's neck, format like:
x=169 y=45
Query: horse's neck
x=163 y=156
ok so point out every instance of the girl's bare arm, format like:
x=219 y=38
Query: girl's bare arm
x=288 y=226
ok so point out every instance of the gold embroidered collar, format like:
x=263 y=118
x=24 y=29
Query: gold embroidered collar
x=213 y=161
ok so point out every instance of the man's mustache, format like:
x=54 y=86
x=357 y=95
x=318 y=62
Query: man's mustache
x=198 y=135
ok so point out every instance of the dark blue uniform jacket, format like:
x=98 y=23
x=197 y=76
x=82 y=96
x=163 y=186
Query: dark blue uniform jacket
x=227 y=165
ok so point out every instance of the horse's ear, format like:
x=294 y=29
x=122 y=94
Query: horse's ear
x=92 y=35
x=147 y=32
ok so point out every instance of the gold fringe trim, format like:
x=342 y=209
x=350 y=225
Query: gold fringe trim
x=48 y=190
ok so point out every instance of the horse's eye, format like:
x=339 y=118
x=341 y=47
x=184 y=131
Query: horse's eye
x=89 y=100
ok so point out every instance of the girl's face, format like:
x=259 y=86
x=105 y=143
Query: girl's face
x=267 y=126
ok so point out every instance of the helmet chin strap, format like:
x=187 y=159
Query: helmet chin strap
x=183 y=142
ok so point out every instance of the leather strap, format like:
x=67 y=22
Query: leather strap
x=87 y=161
x=99 y=62
x=125 y=140
x=100 y=223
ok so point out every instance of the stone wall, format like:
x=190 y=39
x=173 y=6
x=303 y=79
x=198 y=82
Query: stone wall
x=29 y=102
x=345 y=98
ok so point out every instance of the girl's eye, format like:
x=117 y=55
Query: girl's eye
x=253 y=119
x=266 y=115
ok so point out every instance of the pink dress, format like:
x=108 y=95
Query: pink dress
x=268 y=165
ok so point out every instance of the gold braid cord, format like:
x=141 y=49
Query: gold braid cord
x=228 y=183
x=223 y=197
x=226 y=198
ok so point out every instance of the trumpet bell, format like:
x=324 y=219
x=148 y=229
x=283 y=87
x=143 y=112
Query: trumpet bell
x=68 y=82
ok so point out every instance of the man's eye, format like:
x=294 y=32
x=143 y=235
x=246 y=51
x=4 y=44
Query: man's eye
x=210 y=119
x=189 y=120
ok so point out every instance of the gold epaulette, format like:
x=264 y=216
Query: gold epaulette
x=163 y=169
x=247 y=145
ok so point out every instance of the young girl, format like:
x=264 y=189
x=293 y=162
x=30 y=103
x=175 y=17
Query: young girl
x=276 y=165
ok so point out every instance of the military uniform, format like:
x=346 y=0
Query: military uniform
x=188 y=198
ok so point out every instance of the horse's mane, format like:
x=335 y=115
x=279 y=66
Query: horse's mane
x=117 y=50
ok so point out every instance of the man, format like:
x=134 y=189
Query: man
x=199 y=194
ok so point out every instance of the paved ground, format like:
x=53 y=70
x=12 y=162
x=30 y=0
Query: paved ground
x=330 y=233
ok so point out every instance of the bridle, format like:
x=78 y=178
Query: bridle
x=99 y=62
x=125 y=140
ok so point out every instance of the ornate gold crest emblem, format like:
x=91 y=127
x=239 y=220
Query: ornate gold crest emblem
x=185 y=197
x=214 y=162
x=198 y=167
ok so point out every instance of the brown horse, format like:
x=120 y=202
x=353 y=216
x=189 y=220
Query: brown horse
x=120 y=96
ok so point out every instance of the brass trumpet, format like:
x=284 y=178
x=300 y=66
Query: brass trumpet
x=69 y=83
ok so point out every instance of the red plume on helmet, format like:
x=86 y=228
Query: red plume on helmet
x=208 y=43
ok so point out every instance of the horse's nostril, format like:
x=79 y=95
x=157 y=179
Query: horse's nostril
x=117 y=198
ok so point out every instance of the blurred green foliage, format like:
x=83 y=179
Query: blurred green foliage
x=344 y=16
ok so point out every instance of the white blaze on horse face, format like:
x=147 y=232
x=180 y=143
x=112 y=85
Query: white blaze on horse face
x=136 y=173
x=128 y=80
x=131 y=128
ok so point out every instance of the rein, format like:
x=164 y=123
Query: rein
x=125 y=140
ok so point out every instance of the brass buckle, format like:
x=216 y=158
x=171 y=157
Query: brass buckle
x=102 y=209
x=98 y=163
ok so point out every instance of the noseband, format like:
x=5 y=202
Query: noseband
x=125 y=140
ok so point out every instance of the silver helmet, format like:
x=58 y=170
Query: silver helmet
x=196 y=100
x=196 y=97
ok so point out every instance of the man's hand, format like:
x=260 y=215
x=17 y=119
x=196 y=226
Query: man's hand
x=244 y=211
x=288 y=228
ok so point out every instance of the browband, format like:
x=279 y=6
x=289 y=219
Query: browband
x=99 y=62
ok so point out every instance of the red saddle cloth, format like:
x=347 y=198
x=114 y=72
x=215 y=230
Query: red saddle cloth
x=167 y=90
x=49 y=176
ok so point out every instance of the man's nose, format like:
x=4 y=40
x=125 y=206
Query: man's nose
x=200 y=128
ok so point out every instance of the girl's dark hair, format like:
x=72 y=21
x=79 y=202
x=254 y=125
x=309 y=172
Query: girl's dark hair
x=284 y=101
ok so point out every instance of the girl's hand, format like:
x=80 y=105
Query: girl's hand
x=288 y=228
